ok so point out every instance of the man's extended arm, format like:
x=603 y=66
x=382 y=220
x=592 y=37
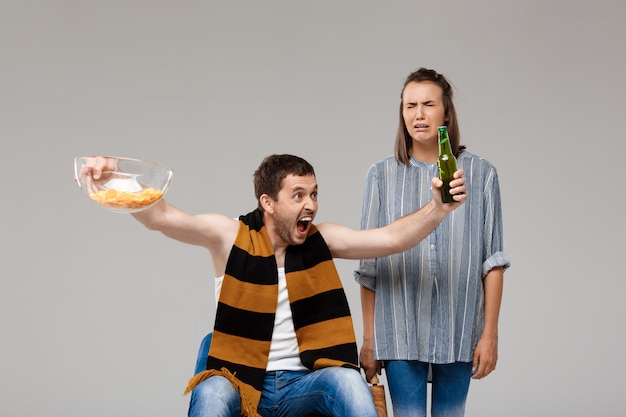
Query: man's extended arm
x=398 y=236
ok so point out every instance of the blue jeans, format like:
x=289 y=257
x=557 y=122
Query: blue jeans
x=332 y=391
x=408 y=381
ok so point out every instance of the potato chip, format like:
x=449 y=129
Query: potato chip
x=126 y=199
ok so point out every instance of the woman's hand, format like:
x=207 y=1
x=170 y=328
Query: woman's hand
x=370 y=365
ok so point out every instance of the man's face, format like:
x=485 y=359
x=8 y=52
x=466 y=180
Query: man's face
x=423 y=111
x=295 y=208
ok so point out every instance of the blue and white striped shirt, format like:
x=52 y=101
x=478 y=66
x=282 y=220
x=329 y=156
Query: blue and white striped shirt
x=430 y=299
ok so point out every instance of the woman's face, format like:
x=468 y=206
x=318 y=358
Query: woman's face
x=423 y=111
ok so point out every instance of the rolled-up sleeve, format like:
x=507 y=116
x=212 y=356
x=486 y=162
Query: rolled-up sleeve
x=366 y=274
x=493 y=232
x=497 y=259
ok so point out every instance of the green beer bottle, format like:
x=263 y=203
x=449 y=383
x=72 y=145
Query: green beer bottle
x=446 y=163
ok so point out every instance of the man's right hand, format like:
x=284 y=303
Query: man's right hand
x=96 y=165
x=94 y=170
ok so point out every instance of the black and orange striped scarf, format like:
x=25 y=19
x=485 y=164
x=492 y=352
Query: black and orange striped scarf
x=247 y=305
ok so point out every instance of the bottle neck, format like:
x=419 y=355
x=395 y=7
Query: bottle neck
x=444 y=143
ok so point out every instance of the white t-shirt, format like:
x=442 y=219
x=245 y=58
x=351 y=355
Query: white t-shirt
x=284 y=354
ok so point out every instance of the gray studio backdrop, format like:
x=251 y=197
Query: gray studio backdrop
x=100 y=317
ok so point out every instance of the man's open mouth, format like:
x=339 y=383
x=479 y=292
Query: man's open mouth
x=303 y=223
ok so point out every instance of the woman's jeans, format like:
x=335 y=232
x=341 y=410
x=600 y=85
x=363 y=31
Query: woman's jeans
x=408 y=381
x=332 y=391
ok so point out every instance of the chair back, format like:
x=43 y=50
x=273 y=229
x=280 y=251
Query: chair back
x=203 y=354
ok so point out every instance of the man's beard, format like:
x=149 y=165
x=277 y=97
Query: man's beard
x=284 y=229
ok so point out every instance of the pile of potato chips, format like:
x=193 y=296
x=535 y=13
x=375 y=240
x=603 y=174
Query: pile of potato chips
x=126 y=199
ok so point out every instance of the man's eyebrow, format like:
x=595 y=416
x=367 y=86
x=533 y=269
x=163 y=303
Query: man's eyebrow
x=302 y=188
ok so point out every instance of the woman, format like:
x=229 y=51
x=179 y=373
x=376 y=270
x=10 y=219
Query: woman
x=431 y=313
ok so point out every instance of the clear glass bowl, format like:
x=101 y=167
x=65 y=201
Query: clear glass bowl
x=126 y=185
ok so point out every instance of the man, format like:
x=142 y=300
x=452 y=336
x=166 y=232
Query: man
x=283 y=341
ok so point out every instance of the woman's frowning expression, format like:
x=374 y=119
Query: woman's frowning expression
x=423 y=111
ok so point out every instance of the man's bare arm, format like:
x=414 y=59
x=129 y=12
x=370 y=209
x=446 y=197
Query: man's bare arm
x=215 y=232
x=398 y=236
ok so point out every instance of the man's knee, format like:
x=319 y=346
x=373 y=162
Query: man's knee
x=351 y=394
x=349 y=375
x=214 y=396
x=347 y=381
